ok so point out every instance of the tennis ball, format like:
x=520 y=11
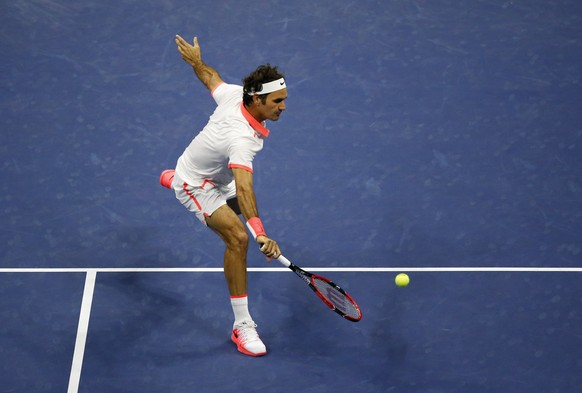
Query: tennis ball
x=402 y=280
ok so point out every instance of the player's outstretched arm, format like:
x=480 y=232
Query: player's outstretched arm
x=191 y=55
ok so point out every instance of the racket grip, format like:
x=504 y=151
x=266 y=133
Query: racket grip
x=284 y=261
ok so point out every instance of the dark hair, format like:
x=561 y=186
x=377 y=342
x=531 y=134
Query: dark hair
x=253 y=82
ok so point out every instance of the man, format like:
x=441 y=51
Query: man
x=214 y=176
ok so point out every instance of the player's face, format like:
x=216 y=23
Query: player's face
x=274 y=105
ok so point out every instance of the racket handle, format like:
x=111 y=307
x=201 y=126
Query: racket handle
x=284 y=261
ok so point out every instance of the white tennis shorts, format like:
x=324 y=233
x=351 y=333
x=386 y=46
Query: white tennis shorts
x=205 y=199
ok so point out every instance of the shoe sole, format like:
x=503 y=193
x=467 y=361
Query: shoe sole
x=167 y=177
x=242 y=349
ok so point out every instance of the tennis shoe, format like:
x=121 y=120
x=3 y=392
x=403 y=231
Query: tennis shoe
x=247 y=340
x=167 y=177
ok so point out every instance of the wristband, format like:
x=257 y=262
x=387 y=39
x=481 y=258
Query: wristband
x=256 y=227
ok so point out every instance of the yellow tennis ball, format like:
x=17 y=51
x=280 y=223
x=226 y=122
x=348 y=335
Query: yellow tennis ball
x=402 y=280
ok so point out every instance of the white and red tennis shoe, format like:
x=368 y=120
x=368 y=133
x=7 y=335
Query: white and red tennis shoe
x=247 y=340
x=167 y=177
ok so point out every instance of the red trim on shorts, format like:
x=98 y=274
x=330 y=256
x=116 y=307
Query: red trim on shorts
x=191 y=196
x=239 y=166
x=207 y=182
x=258 y=127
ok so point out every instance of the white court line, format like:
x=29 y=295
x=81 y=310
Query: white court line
x=91 y=273
x=82 y=330
x=282 y=269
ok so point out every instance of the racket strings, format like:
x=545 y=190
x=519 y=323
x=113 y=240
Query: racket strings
x=337 y=298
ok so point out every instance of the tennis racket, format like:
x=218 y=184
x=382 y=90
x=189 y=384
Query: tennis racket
x=330 y=293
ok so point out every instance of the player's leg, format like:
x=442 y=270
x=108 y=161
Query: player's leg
x=226 y=223
x=232 y=231
x=211 y=207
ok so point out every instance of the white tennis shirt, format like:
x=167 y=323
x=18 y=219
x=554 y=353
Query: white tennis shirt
x=231 y=139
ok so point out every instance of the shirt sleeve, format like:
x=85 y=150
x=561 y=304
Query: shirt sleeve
x=226 y=92
x=242 y=153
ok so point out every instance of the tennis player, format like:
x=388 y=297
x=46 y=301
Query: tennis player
x=214 y=176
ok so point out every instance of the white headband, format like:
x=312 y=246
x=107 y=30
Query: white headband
x=270 y=87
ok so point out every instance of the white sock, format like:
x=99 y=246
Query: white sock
x=240 y=307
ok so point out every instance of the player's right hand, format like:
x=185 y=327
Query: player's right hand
x=269 y=247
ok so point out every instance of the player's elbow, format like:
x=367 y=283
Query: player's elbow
x=244 y=189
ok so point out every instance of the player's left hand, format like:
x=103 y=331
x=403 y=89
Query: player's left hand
x=190 y=53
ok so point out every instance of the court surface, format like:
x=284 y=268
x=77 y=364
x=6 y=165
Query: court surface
x=438 y=138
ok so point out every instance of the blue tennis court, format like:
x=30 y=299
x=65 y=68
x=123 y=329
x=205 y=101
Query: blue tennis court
x=437 y=138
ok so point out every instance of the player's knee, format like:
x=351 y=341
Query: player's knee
x=239 y=239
